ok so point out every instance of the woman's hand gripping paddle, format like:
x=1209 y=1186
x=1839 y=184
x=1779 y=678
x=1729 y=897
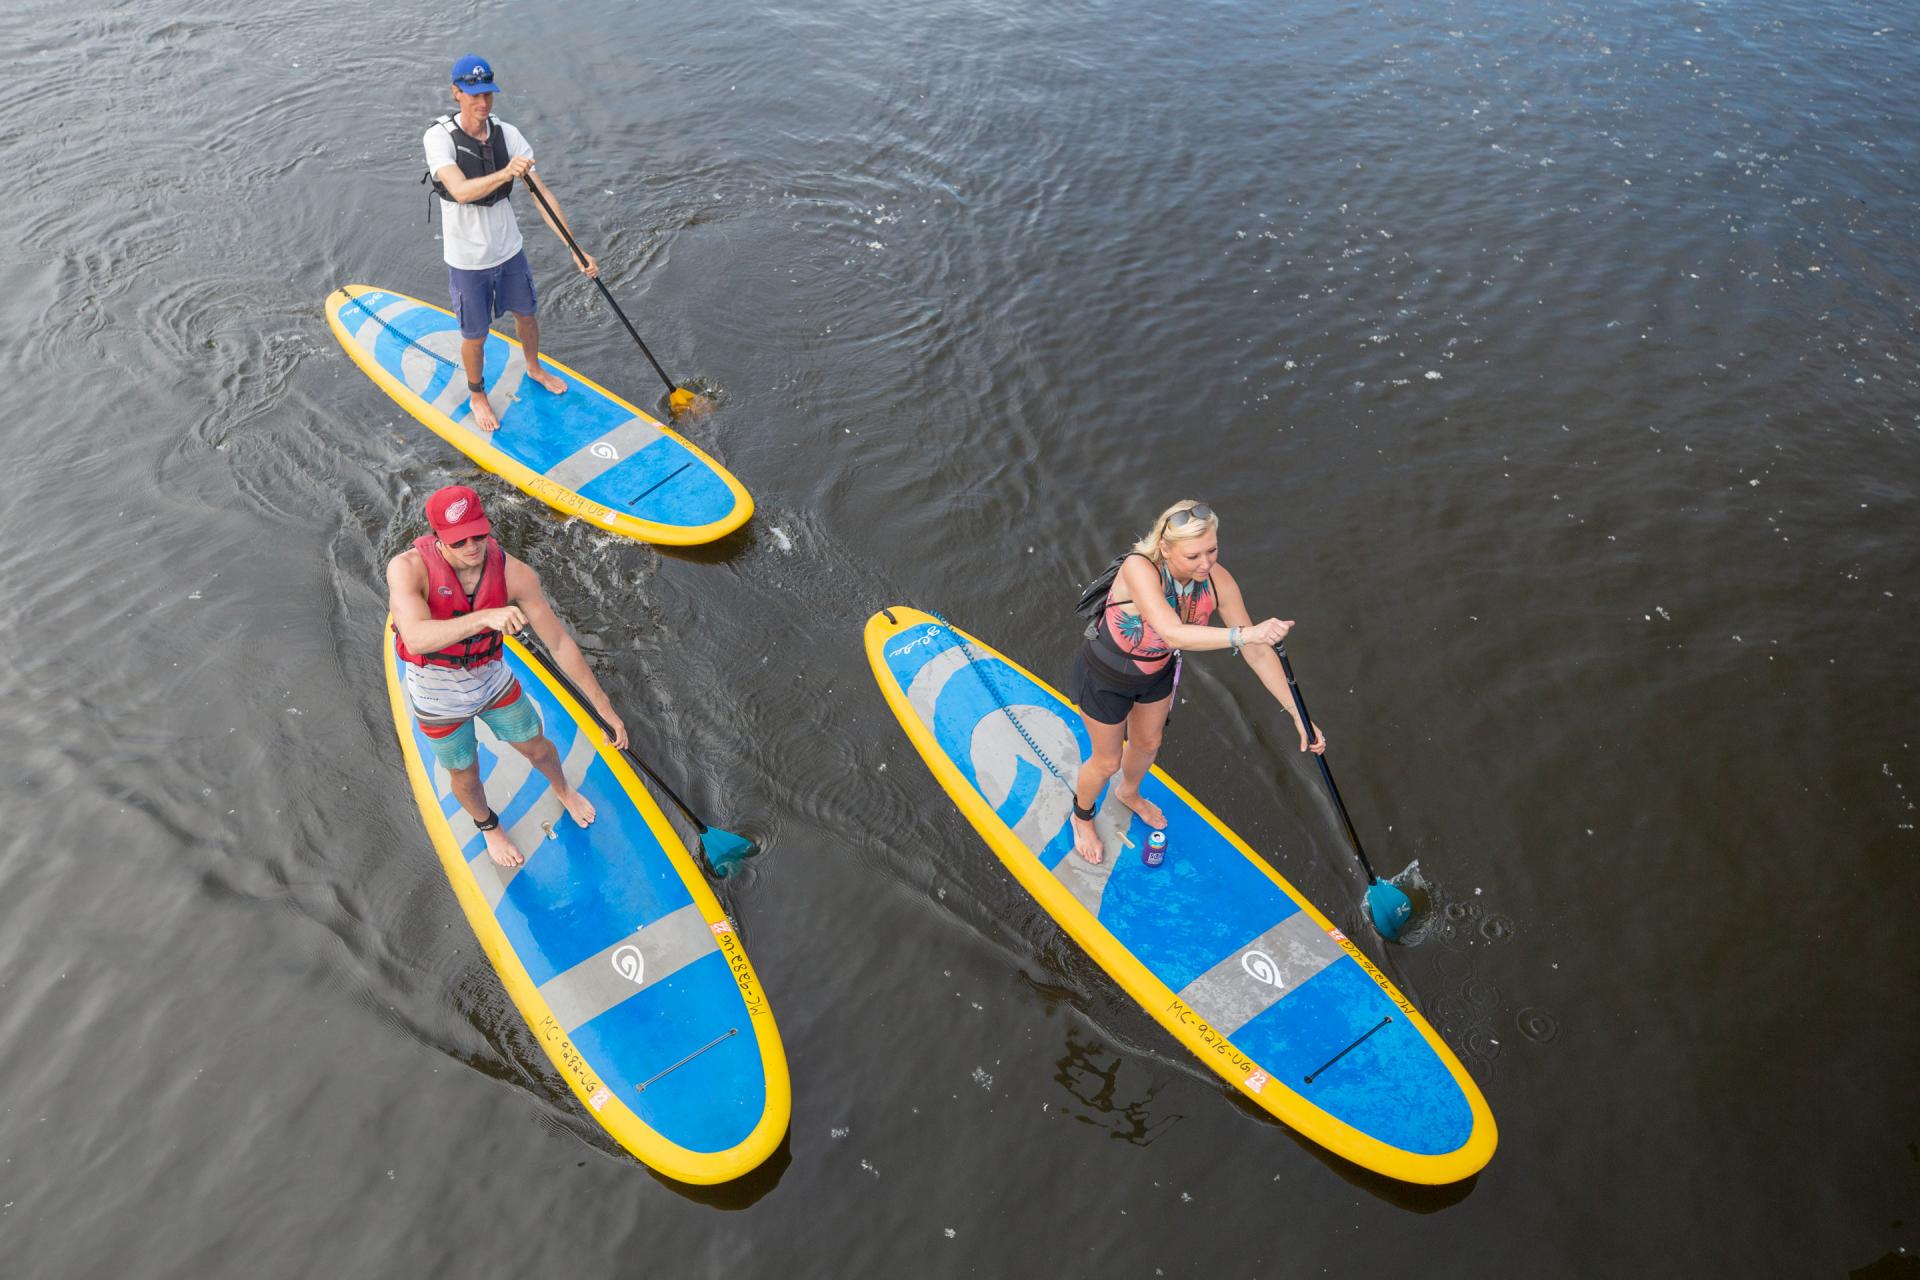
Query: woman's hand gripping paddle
x=679 y=399
x=724 y=849
x=1386 y=904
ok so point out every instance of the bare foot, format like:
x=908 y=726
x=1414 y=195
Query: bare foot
x=1086 y=841
x=483 y=419
x=580 y=807
x=552 y=382
x=501 y=849
x=1149 y=811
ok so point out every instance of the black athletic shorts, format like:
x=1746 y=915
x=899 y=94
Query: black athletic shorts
x=1108 y=697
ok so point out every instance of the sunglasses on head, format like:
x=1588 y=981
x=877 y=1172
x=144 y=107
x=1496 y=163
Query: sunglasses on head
x=474 y=77
x=1199 y=511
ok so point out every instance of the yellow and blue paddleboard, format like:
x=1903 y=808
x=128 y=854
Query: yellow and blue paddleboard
x=586 y=452
x=611 y=944
x=1214 y=944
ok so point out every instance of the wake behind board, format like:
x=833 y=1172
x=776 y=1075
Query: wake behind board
x=611 y=944
x=1214 y=944
x=587 y=452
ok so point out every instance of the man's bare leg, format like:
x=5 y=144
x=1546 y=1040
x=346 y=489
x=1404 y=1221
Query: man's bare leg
x=473 y=799
x=527 y=329
x=473 y=355
x=541 y=753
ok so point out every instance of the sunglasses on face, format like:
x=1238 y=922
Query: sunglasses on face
x=466 y=542
x=1199 y=511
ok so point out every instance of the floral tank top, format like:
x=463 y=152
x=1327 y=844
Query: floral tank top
x=1128 y=644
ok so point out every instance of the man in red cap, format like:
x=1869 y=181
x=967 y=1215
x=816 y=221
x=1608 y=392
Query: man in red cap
x=452 y=596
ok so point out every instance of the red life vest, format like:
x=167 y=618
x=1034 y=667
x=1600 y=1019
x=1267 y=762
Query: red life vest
x=447 y=599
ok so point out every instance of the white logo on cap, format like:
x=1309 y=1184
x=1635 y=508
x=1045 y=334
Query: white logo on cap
x=457 y=511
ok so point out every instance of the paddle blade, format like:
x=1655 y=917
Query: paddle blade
x=1389 y=907
x=684 y=401
x=725 y=850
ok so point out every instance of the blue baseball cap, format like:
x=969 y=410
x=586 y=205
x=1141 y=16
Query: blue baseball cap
x=472 y=75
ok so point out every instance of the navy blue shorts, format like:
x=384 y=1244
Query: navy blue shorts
x=1109 y=698
x=479 y=296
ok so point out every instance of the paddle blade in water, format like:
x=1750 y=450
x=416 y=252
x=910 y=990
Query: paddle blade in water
x=725 y=850
x=1389 y=907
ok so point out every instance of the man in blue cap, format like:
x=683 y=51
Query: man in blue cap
x=474 y=160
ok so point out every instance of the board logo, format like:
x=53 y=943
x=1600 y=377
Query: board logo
x=1261 y=968
x=1257 y=1081
x=599 y=1098
x=630 y=964
x=913 y=644
x=601 y=449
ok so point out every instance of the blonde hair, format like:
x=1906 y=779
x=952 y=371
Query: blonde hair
x=1149 y=546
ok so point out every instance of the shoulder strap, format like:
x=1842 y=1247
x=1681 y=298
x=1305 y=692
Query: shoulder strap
x=1093 y=600
x=1123 y=559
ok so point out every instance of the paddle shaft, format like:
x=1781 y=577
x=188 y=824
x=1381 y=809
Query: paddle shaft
x=580 y=254
x=1326 y=774
x=539 y=651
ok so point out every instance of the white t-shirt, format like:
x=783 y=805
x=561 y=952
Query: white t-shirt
x=474 y=237
x=447 y=695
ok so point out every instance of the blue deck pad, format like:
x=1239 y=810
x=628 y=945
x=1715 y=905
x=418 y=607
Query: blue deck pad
x=1209 y=922
x=633 y=983
x=1391 y=1085
x=587 y=888
x=1202 y=904
x=664 y=482
x=1179 y=919
x=660 y=480
x=672 y=1018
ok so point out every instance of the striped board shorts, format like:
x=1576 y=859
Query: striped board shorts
x=447 y=700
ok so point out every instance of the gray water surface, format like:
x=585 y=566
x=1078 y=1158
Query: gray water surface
x=1553 y=365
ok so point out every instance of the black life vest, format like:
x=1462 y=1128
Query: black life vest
x=476 y=159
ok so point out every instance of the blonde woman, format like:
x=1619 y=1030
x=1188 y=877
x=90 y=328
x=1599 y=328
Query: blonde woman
x=1171 y=594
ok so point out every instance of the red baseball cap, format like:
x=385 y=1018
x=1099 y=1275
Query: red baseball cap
x=454 y=512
